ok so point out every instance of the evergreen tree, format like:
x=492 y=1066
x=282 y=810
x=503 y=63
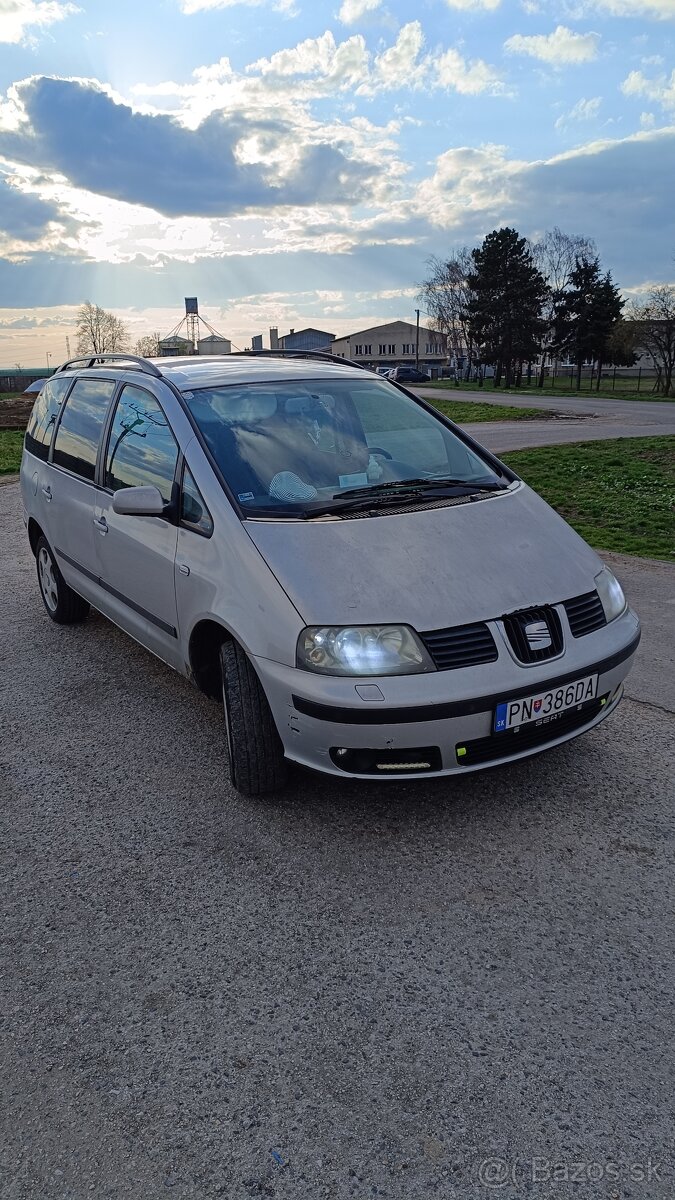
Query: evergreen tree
x=587 y=315
x=505 y=306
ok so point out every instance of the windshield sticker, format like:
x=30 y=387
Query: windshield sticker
x=357 y=479
x=244 y=496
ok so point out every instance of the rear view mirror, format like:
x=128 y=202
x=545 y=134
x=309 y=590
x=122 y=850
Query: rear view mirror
x=139 y=502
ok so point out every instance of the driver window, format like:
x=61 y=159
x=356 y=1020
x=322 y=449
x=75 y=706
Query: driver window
x=141 y=447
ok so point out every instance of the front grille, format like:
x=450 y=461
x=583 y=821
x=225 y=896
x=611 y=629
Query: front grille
x=463 y=646
x=528 y=737
x=515 y=625
x=585 y=614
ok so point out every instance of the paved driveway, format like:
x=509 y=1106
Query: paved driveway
x=588 y=420
x=345 y=991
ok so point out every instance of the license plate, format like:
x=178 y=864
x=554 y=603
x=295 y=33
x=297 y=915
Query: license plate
x=545 y=706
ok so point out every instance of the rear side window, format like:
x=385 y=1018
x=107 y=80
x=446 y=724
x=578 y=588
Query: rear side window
x=79 y=431
x=43 y=417
x=141 y=447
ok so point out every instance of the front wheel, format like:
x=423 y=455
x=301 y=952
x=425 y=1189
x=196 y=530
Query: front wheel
x=254 y=748
x=62 y=603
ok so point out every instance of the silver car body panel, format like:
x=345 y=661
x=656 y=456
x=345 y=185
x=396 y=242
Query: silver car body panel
x=433 y=568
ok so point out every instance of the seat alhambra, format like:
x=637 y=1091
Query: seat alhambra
x=369 y=591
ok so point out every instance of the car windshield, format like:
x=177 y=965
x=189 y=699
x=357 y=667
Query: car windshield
x=290 y=448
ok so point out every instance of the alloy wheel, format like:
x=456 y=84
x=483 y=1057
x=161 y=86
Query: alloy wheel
x=48 y=584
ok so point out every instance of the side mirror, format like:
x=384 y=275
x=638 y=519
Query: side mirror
x=139 y=502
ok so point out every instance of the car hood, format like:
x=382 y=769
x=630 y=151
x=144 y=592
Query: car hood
x=431 y=568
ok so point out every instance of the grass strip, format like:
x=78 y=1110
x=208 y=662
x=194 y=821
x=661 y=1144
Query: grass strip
x=11 y=445
x=619 y=495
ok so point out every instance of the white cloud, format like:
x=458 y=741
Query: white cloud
x=18 y=16
x=660 y=90
x=659 y=10
x=467 y=78
x=647 y=120
x=475 y=189
x=474 y=5
x=190 y=7
x=354 y=10
x=398 y=64
x=320 y=67
x=583 y=110
x=560 y=48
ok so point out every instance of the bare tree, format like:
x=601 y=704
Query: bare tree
x=99 y=332
x=444 y=295
x=148 y=346
x=656 y=317
x=556 y=255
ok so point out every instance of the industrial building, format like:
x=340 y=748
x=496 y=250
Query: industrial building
x=398 y=343
x=305 y=339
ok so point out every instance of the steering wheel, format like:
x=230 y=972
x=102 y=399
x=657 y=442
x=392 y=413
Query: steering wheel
x=379 y=450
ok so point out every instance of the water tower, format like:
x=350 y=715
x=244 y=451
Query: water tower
x=185 y=337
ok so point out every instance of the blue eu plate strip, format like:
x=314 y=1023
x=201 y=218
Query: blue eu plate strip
x=500 y=718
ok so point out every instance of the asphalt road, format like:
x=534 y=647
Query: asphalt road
x=344 y=991
x=588 y=420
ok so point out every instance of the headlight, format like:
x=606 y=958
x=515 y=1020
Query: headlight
x=362 y=650
x=610 y=593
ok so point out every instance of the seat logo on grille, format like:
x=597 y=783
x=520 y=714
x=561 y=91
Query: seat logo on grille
x=538 y=635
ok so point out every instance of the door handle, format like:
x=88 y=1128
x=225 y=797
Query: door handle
x=101 y=524
x=183 y=568
x=47 y=493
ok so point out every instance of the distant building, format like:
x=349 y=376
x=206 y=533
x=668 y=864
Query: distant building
x=256 y=342
x=175 y=346
x=392 y=345
x=305 y=339
x=214 y=344
x=274 y=338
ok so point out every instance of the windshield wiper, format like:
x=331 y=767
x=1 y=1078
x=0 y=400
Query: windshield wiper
x=399 y=490
x=422 y=485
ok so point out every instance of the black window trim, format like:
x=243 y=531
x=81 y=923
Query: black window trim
x=183 y=467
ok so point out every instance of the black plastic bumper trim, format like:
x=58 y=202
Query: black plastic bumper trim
x=453 y=708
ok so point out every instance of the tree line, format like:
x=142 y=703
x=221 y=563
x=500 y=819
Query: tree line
x=511 y=302
x=101 y=332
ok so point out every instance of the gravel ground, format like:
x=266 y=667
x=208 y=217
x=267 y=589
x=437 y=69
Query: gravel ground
x=344 y=991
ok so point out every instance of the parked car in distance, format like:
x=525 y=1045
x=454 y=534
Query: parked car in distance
x=367 y=590
x=409 y=375
x=384 y=371
x=33 y=389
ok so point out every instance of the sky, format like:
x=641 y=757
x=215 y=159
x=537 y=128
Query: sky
x=296 y=163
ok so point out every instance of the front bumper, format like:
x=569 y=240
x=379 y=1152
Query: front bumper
x=440 y=713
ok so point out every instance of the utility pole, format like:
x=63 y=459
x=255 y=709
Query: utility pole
x=67 y=346
x=417 y=341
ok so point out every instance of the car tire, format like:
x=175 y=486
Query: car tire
x=254 y=749
x=63 y=605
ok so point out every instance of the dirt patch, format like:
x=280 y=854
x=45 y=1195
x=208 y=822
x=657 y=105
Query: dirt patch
x=14 y=413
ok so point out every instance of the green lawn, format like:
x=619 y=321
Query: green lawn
x=11 y=444
x=466 y=410
x=624 y=390
x=619 y=495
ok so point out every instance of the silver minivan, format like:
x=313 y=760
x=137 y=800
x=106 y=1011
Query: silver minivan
x=371 y=593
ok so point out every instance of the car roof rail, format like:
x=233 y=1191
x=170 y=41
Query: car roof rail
x=91 y=360
x=321 y=355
